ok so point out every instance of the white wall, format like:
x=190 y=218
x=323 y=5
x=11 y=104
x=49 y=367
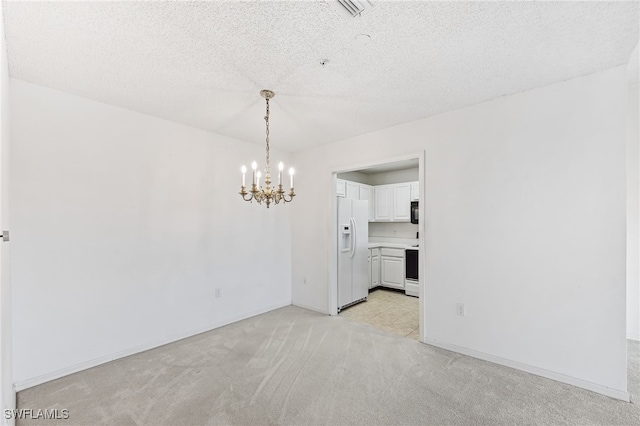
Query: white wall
x=124 y=225
x=525 y=224
x=7 y=395
x=633 y=213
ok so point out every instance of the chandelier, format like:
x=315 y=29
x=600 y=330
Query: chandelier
x=267 y=194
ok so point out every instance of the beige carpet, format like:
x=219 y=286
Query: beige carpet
x=388 y=310
x=633 y=370
x=295 y=367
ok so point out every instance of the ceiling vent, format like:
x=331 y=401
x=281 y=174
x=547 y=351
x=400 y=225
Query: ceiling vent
x=352 y=8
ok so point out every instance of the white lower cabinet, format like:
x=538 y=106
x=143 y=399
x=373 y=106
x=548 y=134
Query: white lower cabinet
x=374 y=267
x=370 y=274
x=392 y=268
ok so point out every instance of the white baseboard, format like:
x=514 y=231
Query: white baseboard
x=320 y=311
x=613 y=393
x=633 y=336
x=28 y=383
x=9 y=405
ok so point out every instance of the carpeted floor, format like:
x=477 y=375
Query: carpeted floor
x=633 y=370
x=295 y=367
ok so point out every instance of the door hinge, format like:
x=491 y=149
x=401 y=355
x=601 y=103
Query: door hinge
x=5 y=235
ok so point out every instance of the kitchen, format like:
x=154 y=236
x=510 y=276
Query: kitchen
x=378 y=249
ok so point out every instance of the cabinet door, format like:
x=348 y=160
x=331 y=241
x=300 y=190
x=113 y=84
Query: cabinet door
x=375 y=269
x=402 y=202
x=415 y=191
x=366 y=193
x=392 y=272
x=370 y=273
x=352 y=190
x=383 y=207
x=341 y=189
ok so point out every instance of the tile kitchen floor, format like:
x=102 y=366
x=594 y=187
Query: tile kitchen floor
x=387 y=310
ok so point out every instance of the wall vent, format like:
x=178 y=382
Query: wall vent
x=352 y=7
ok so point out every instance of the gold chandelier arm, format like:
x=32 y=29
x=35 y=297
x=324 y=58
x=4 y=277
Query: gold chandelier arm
x=291 y=195
x=243 y=192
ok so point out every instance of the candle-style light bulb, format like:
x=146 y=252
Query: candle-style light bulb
x=259 y=175
x=291 y=172
x=244 y=171
x=254 y=166
x=280 y=168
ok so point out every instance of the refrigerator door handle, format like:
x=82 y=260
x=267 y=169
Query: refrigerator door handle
x=354 y=237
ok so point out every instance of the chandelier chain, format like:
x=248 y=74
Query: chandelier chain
x=266 y=119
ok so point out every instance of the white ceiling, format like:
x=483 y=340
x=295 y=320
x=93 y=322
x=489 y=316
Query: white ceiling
x=203 y=63
x=391 y=167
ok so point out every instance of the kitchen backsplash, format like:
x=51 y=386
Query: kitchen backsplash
x=392 y=229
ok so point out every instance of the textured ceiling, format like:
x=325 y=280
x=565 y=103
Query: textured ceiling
x=203 y=63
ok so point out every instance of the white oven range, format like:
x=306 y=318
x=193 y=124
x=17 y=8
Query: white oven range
x=411 y=277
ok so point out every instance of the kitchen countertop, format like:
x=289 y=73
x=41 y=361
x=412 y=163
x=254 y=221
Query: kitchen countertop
x=401 y=243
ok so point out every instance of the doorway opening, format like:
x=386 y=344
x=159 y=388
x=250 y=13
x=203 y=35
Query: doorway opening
x=377 y=267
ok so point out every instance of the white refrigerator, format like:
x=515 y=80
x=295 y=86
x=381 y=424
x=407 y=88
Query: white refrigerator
x=353 y=251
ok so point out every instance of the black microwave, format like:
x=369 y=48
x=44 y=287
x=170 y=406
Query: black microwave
x=414 y=212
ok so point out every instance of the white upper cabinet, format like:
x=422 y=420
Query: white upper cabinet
x=392 y=202
x=341 y=190
x=387 y=203
x=402 y=202
x=353 y=190
x=366 y=193
x=415 y=191
x=383 y=200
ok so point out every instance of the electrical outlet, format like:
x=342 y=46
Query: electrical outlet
x=218 y=293
x=461 y=309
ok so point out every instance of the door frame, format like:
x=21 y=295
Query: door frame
x=332 y=283
x=7 y=388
